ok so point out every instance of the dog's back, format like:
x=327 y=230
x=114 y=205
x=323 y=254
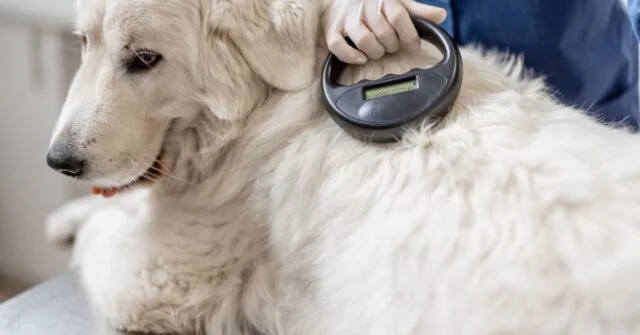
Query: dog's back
x=515 y=216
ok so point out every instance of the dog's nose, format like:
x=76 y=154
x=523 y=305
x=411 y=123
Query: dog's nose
x=65 y=161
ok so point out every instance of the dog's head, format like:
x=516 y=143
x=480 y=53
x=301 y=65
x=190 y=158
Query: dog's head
x=152 y=67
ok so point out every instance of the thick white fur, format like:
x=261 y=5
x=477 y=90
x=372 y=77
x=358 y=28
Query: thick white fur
x=516 y=215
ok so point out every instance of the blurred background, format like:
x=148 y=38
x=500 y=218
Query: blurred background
x=38 y=57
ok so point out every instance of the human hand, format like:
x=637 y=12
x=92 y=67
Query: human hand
x=376 y=27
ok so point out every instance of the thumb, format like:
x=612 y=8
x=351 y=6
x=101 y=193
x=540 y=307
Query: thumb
x=431 y=13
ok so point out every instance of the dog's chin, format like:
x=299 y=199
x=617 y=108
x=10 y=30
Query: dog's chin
x=147 y=178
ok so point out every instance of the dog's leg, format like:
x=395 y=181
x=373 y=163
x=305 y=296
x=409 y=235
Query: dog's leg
x=108 y=238
x=63 y=223
x=141 y=282
x=118 y=274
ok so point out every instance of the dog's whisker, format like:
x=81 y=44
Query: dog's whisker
x=161 y=172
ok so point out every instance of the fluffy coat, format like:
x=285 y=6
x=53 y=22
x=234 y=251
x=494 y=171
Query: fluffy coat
x=515 y=215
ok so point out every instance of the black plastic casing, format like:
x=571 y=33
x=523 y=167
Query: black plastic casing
x=384 y=119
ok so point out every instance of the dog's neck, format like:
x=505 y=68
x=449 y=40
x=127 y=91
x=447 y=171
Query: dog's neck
x=223 y=167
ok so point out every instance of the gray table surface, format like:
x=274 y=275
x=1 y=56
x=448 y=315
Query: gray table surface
x=55 y=307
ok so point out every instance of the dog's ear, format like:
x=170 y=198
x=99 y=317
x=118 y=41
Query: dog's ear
x=277 y=38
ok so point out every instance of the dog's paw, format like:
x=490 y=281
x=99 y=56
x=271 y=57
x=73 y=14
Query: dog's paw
x=61 y=227
x=62 y=224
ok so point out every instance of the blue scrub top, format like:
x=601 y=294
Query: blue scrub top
x=586 y=49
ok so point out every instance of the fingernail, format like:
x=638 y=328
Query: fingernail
x=442 y=15
x=361 y=59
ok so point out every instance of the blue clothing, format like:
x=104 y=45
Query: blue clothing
x=586 y=49
x=634 y=12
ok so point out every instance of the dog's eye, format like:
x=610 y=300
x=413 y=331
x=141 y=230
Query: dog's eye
x=83 y=40
x=143 y=61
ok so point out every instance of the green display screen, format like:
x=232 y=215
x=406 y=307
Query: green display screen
x=390 y=89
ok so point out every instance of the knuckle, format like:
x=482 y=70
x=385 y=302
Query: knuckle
x=410 y=36
x=376 y=55
x=365 y=39
x=333 y=43
x=396 y=17
x=393 y=48
x=387 y=33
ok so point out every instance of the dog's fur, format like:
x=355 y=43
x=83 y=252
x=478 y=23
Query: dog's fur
x=515 y=215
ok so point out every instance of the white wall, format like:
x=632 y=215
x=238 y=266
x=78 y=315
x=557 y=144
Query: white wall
x=49 y=12
x=35 y=67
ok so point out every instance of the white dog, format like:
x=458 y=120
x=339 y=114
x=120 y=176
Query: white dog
x=515 y=215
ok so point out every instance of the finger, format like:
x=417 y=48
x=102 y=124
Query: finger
x=338 y=46
x=380 y=27
x=399 y=18
x=431 y=13
x=362 y=37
